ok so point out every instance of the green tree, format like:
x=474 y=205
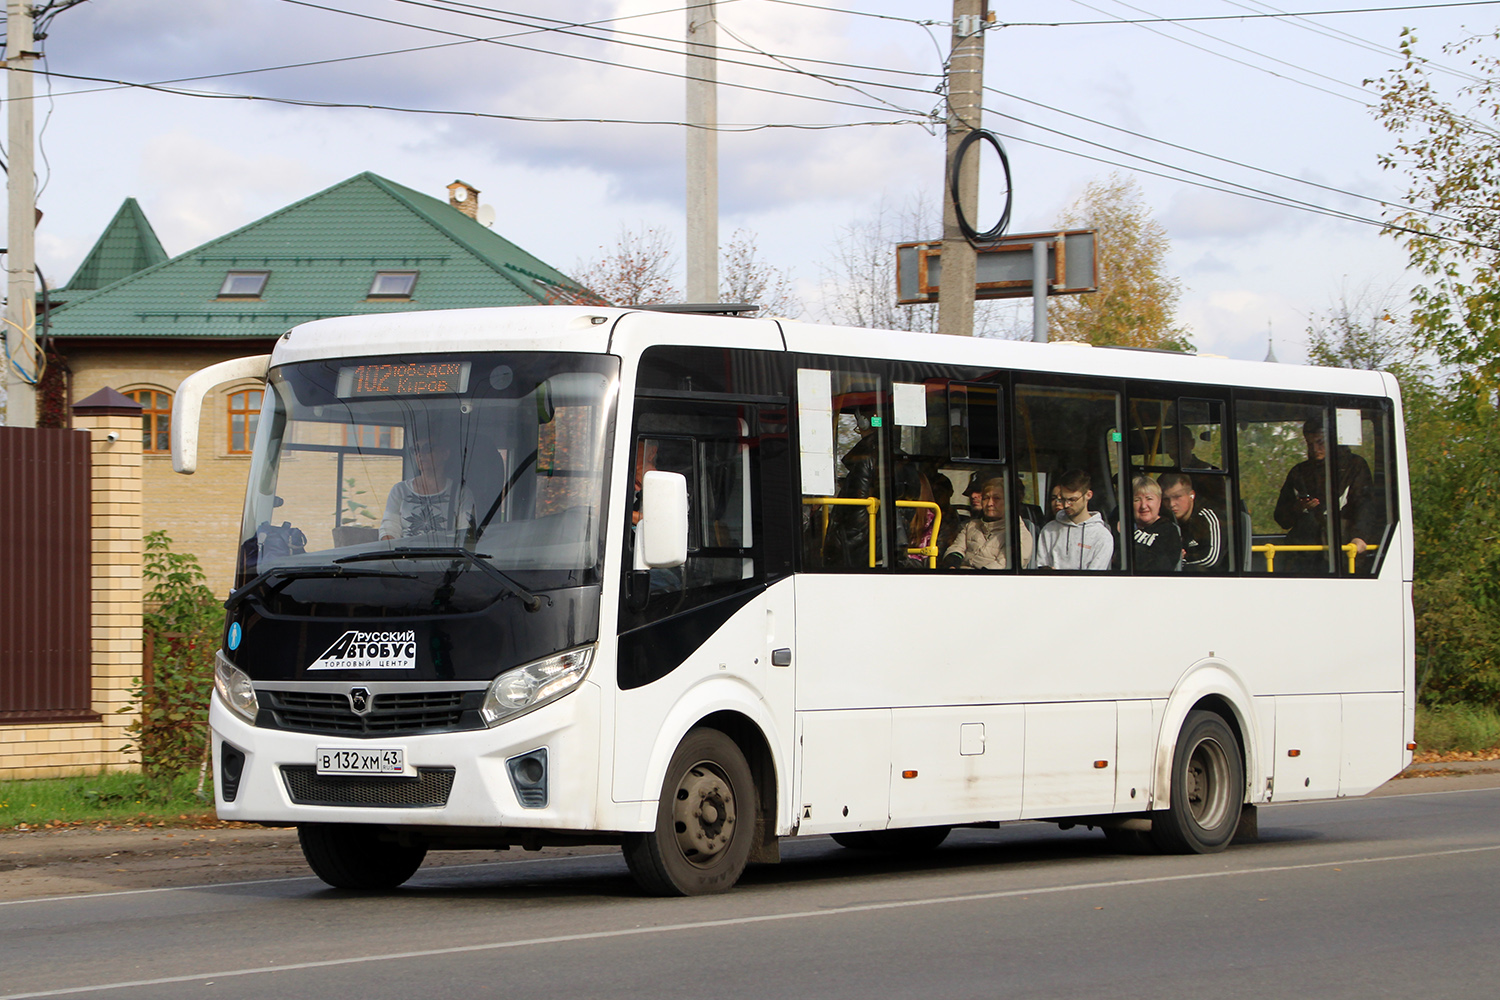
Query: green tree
x=1136 y=303
x=1449 y=147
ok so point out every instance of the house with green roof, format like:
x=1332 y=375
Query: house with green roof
x=135 y=320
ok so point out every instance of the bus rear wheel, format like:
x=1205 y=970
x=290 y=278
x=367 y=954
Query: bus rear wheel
x=911 y=840
x=1208 y=789
x=705 y=821
x=347 y=856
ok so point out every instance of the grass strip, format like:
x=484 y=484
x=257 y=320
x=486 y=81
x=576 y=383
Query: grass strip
x=104 y=799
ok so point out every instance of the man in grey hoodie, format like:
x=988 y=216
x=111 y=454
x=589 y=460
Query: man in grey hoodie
x=1077 y=538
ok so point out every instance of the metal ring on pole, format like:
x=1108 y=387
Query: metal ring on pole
x=969 y=232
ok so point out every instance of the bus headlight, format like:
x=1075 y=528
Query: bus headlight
x=530 y=686
x=234 y=686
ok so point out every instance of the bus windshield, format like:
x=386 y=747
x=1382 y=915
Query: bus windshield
x=436 y=483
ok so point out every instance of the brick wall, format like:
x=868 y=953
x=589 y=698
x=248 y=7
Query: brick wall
x=60 y=749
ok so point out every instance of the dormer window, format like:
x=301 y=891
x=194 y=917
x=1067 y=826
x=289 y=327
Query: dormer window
x=393 y=284
x=243 y=284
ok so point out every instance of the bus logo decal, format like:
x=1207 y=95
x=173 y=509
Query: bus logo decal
x=356 y=650
x=359 y=701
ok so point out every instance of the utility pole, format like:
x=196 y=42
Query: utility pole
x=20 y=296
x=702 y=152
x=965 y=99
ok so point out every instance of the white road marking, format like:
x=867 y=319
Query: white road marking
x=699 y=925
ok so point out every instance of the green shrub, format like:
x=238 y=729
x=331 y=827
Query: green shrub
x=183 y=623
x=1457 y=727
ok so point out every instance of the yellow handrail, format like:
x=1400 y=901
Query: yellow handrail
x=870 y=504
x=931 y=549
x=1270 y=549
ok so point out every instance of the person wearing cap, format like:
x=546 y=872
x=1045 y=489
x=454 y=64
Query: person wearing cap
x=1302 y=506
x=983 y=542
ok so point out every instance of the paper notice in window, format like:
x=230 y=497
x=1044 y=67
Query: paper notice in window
x=815 y=430
x=910 y=404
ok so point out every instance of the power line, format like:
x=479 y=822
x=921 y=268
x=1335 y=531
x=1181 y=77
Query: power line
x=1199 y=152
x=449 y=6
x=309 y=103
x=1241 y=62
x=1269 y=200
x=678 y=46
x=863 y=13
x=1236 y=17
x=600 y=62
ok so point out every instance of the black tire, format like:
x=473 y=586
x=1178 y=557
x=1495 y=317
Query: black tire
x=705 y=821
x=1208 y=789
x=910 y=840
x=354 y=857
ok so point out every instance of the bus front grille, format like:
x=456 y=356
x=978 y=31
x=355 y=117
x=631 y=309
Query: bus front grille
x=428 y=790
x=406 y=713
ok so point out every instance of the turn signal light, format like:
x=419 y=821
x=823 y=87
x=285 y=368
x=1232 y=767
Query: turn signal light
x=1294 y=753
x=1411 y=746
x=908 y=774
x=1101 y=763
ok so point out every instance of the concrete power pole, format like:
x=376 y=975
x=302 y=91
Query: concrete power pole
x=965 y=99
x=20 y=296
x=702 y=153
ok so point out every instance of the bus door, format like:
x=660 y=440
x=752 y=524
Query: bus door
x=720 y=626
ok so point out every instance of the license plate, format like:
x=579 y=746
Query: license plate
x=361 y=760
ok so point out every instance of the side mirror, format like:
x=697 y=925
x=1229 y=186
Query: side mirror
x=664 y=519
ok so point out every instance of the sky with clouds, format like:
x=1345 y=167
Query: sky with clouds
x=1275 y=105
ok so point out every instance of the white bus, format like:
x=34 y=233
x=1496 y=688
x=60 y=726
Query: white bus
x=692 y=585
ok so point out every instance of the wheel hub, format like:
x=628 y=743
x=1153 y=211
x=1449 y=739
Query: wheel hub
x=703 y=814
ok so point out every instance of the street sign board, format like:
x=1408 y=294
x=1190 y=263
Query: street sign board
x=1003 y=269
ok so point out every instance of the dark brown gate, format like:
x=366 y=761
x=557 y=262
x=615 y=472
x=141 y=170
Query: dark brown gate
x=45 y=569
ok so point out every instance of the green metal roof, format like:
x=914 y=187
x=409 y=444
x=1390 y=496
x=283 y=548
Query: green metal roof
x=320 y=256
x=127 y=245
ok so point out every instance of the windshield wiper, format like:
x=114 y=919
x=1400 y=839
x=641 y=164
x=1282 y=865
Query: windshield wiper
x=290 y=573
x=530 y=600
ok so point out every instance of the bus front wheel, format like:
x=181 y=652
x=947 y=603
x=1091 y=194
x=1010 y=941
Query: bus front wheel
x=348 y=856
x=705 y=821
x=1208 y=789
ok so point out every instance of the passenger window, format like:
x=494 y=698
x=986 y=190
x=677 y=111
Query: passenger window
x=846 y=499
x=1179 y=442
x=1067 y=447
x=1362 y=482
x=713 y=448
x=1284 y=479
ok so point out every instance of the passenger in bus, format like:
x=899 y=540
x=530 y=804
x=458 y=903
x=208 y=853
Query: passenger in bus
x=1202 y=530
x=942 y=495
x=1156 y=542
x=1301 y=507
x=434 y=501
x=983 y=542
x=848 y=541
x=1076 y=537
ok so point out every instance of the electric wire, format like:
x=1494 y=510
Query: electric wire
x=673 y=46
x=923 y=121
x=1155 y=19
x=451 y=5
x=601 y=62
x=1383 y=202
x=816 y=76
x=1276 y=200
x=1241 y=62
x=863 y=13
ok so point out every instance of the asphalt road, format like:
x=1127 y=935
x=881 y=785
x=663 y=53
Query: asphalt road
x=1397 y=894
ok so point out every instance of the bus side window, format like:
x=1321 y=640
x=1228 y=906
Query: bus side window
x=846 y=493
x=1067 y=450
x=1365 y=516
x=1284 y=476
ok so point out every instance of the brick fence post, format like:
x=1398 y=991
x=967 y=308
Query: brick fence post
x=117 y=557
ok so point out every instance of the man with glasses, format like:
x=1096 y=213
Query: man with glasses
x=1076 y=537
